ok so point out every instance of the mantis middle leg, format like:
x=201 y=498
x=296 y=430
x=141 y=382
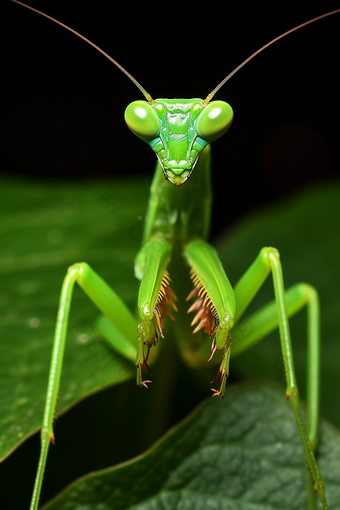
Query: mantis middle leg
x=121 y=334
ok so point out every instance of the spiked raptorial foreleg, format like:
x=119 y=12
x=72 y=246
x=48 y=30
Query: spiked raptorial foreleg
x=207 y=314
x=155 y=295
x=166 y=296
x=214 y=304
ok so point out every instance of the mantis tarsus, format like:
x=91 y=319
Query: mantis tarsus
x=192 y=256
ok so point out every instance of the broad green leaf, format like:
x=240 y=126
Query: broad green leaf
x=242 y=452
x=44 y=228
x=304 y=227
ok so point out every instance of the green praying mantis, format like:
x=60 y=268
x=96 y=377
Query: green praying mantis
x=176 y=232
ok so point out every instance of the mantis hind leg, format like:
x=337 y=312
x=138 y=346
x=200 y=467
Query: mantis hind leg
x=276 y=315
x=120 y=332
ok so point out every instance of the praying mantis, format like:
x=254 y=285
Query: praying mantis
x=199 y=278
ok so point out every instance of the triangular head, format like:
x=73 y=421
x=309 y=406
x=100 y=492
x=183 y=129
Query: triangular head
x=178 y=130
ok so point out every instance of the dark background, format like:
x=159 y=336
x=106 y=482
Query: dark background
x=63 y=106
x=64 y=102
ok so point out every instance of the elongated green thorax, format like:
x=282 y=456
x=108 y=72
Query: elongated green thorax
x=178 y=130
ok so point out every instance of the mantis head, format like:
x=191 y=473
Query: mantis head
x=178 y=130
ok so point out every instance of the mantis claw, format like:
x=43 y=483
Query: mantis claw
x=213 y=350
x=140 y=380
x=221 y=388
x=145 y=363
x=145 y=358
x=216 y=393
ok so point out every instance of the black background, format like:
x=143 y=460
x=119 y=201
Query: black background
x=64 y=102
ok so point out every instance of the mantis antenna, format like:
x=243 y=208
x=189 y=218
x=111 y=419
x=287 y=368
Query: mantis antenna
x=211 y=95
x=142 y=89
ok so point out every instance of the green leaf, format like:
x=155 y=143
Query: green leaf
x=304 y=227
x=243 y=452
x=44 y=228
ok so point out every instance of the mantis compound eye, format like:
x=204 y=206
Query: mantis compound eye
x=214 y=121
x=142 y=120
